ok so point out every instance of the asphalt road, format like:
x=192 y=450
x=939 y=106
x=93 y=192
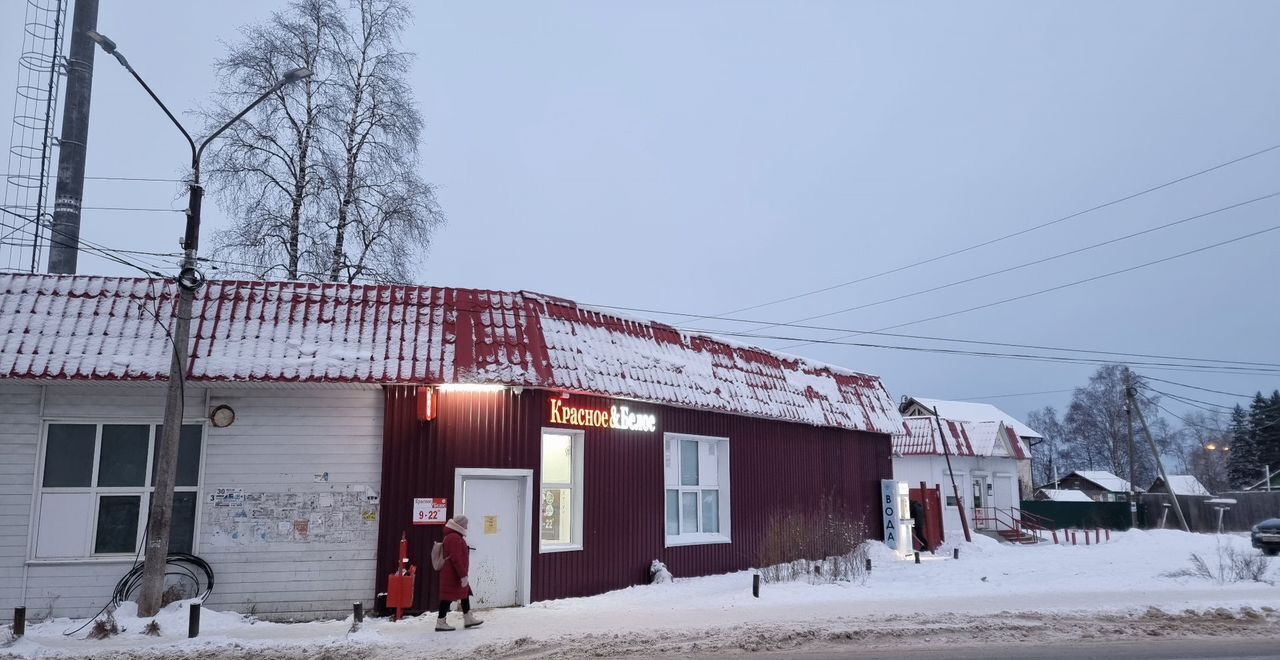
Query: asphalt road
x=1172 y=649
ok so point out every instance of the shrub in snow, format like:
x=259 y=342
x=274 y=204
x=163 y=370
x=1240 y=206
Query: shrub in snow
x=1228 y=564
x=152 y=629
x=104 y=627
x=825 y=544
x=658 y=573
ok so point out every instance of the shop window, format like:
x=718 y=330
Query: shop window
x=96 y=484
x=560 y=515
x=696 y=470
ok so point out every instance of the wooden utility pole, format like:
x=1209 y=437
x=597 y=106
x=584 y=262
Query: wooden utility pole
x=1128 y=418
x=1131 y=392
x=955 y=490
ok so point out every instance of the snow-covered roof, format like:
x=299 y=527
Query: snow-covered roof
x=105 y=328
x=920 y=436
x=966 y=411
x=1183 y=484
x=1064 y=495
x=1106 y=480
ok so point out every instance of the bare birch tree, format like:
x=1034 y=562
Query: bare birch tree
x=323 y=182
x=266 y=168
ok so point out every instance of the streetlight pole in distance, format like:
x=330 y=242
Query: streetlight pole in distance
x=189 y=281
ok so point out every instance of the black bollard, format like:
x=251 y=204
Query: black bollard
x=193 y=623
x=868 y=564
x=955 y=553
x=19 y=621
x=917 y=558
x=357 y=611
x=755 y=585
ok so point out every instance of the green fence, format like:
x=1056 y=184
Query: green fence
x=1082 y=515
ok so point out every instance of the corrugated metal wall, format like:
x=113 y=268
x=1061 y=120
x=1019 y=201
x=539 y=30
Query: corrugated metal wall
x=774 y=466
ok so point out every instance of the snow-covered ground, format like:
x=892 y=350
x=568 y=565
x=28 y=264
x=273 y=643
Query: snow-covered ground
x=993 y=592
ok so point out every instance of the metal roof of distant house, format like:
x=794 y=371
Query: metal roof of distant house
x=1183 y=484
x=105 y=328
x=966 y=411
x=1068 y=495
x=1104 y=480
x=920 y=437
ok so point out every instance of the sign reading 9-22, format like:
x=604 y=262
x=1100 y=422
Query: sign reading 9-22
x=616 y=417
x=430 y=510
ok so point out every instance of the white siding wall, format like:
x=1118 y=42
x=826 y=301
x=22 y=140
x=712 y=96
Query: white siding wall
x=19 y=428
x=933 y=471
x=301 y=541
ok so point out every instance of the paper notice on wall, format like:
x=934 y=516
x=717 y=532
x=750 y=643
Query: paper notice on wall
x=490 y=524
x=227 y=497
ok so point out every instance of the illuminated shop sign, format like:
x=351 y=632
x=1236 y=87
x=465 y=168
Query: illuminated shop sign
x=616 y=417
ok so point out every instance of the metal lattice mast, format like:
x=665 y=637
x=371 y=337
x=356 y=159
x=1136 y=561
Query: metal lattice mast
x=25 y=215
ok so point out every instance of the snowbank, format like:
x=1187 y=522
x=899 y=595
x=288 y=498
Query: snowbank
x=989 y=581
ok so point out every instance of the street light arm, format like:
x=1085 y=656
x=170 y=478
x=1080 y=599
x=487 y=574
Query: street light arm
x=110 y=47
x=197 y=152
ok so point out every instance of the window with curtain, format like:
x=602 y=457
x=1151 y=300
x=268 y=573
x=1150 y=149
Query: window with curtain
x=696 y=489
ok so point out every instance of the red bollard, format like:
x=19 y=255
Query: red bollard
x=1108 y=534
x=1073 y=537
x=1055 y=537
x=1086 y=537
x=1097 y=536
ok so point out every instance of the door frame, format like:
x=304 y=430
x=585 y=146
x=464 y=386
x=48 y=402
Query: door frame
x=525 y=542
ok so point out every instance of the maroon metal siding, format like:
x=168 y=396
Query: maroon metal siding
x=773 y=466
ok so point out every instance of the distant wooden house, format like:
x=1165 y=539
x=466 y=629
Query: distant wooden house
x=1098 y=485
x=1183 y=484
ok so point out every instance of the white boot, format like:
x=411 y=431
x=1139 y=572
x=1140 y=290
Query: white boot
x=469 y=620
x=443 y=626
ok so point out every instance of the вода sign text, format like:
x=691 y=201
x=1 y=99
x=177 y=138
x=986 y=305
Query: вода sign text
x=616 y=417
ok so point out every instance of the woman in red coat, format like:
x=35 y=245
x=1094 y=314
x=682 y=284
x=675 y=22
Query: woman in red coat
x=454 y=584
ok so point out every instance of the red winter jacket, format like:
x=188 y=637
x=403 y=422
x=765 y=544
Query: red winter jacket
x=457 y=563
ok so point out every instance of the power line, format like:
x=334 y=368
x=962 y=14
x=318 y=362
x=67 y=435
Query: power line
x=1060 y=286
x=855 y=332
x=1011 y=235
x=1008 y=396
x=1029 y=263
x=113 y=178
x=1202 y=389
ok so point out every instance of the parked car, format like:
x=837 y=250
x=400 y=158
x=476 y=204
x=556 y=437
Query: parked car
x=1266 y=536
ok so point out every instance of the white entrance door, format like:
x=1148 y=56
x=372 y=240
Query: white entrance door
x=980 y=514
x=494 y=529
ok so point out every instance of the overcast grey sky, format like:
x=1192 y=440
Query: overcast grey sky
x=704 y=157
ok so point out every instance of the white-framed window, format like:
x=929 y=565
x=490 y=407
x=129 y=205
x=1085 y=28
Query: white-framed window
x=696 y=492
x=560 y=509
x=96 y=481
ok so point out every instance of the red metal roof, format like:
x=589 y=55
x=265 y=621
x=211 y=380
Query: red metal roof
x=920 y=436
x=105 y=328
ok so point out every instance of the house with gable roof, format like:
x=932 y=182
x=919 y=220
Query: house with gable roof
x=977 y=460
x=968 y=411
x=1098 y=485
x=325 y=422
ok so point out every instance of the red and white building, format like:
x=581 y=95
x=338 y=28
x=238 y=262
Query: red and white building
x=322 y=421
x=977 y=460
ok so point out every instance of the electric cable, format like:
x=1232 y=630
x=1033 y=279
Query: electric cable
x=1020 y=266
x=1011 y=235
x=1060 y=286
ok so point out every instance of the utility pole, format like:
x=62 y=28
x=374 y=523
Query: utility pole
x=955 y=490
x=68 y=197
x=1130 y=393
x=1128 y=418
x=189 y=281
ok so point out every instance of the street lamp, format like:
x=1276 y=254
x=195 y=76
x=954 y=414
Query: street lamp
x=189 y=280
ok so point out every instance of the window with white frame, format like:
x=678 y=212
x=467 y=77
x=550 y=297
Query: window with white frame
x=696 y=470
x=96 y=484
x=560 y=515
